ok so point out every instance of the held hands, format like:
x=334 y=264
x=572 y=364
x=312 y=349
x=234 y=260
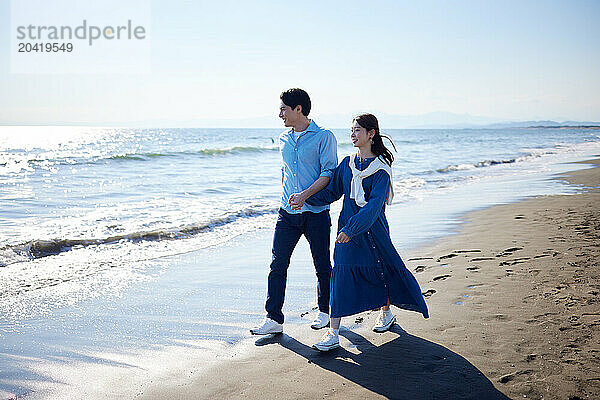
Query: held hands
x=297 y=200
x=342 y=238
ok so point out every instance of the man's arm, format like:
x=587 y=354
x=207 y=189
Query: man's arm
x=327 y=162
x=297 y=199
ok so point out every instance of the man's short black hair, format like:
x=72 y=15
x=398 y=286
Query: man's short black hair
x=295 y=97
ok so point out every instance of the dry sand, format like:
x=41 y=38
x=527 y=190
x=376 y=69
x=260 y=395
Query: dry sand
x=514 y=307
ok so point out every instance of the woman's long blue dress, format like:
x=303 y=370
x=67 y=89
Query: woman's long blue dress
x=367 y=270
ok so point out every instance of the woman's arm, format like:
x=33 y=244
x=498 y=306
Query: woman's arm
x=333 y=191
x=366 y=216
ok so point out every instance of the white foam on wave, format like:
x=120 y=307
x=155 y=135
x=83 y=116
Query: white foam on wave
x=69 y=277
x=531 y=154
x=407 y=188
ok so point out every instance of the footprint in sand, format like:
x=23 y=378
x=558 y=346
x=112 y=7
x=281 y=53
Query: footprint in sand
x=509 y=251
x=509 y=377
x=519 y=217
x=429 y=292
x=514 y=261
x=451 y=255
x=441 y=277
x=420 y=258
x=498 y=317
x=473 y=269
x=548 y=314
x=541 y=255
x=531 y=357
x=564 y=328
x=481 y=259
x=473 y=286
x=420 y=268
x=468 y=251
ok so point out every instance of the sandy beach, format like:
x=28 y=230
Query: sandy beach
x=513 y=297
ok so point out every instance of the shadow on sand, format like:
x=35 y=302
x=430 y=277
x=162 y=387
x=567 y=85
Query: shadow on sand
x=407 y=367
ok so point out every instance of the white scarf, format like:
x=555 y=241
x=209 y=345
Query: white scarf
x=356 y=188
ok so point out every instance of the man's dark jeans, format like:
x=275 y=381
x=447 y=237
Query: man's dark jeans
x=290 y=227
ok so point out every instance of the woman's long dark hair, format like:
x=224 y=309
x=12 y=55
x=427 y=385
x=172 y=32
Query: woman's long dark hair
x=369 y=121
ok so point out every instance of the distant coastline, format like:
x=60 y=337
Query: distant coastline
x=566 y=126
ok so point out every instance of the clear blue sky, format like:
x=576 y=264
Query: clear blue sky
x=228 y=60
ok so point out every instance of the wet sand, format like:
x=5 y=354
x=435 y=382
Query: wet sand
x=513 y=298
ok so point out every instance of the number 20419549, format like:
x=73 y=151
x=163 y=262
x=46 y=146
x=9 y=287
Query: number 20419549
x=26 y=47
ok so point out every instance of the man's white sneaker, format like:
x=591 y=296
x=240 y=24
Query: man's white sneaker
x=267 y=327
x=384 y=322
x=329 y=341
x=321 y=321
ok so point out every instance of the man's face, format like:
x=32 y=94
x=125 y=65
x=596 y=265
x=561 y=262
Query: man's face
x=288 y=115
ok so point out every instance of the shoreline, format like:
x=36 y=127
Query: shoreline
x=202 y=367
x=513 y=314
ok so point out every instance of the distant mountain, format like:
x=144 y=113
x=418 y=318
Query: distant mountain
x=528 y=124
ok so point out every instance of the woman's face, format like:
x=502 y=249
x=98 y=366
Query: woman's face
x=359 y=135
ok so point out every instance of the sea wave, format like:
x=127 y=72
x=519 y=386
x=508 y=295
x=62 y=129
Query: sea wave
x=38 y=248
x=17 y=163
x=530 y=154
x=204 y=152
x=406 y=185
x=237 y=150
x=137 y=156
x=480 y=164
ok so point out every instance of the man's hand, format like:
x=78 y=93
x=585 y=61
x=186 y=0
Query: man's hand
x=342 y=238
x=297 y=200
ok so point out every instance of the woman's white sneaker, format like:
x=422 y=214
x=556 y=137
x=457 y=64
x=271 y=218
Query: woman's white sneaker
x=267 y=327
x=329 y=341
x=384 y=322
x=321 y=321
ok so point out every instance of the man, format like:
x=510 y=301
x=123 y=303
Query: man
x=309 y=157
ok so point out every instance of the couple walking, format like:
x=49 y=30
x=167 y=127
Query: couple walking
x=368 y=273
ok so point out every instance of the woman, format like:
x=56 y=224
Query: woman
x=368 y=273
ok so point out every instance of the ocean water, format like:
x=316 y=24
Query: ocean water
x=92 y=216
x=75 y=201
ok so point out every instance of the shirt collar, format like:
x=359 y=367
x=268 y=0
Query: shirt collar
x=312 y=127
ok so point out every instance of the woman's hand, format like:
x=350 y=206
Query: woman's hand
x=342 y=238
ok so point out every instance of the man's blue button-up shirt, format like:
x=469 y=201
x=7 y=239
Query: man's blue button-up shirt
x=313 y=155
